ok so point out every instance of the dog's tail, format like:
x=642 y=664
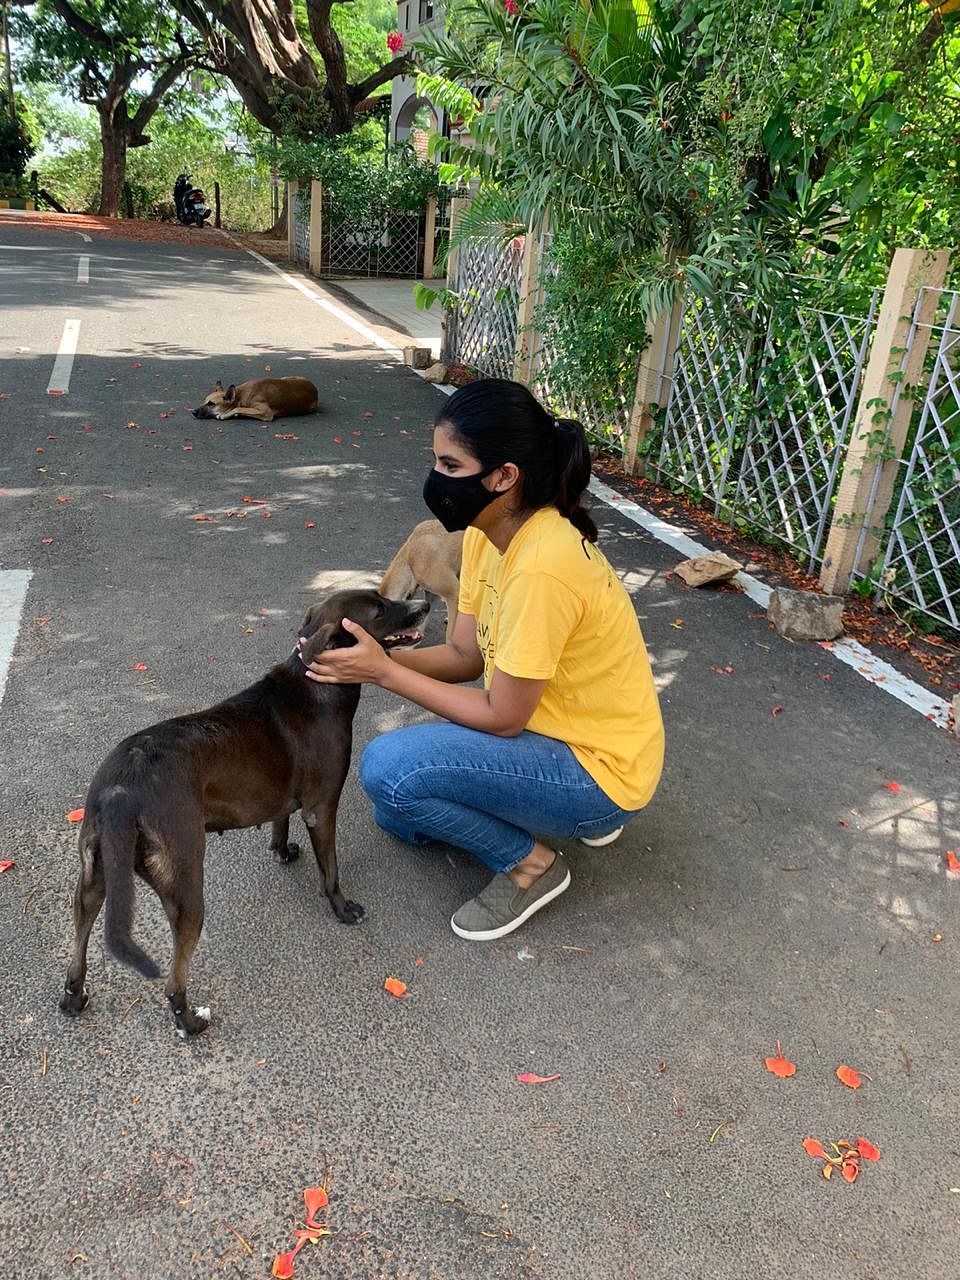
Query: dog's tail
x=118 y=842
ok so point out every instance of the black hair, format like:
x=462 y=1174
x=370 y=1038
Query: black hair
x=500 y=421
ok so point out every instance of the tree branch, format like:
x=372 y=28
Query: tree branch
x=398 y=67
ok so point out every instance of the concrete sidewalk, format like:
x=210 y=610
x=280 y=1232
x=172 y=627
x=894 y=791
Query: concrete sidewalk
x=393 y=300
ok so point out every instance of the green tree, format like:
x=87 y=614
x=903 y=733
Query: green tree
x=288 y=62
x=704 y=141
x=119 y=56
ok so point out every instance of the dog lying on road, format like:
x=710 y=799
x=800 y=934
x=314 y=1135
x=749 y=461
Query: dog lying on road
x=282 y=744
x=260 y=398
x=430 y=558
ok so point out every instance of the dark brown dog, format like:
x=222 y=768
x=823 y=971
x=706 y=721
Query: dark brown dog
x=282 y=744
x=260 y=398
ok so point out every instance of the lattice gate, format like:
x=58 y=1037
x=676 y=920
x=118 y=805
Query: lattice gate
x=382 y=242
x=482 y=331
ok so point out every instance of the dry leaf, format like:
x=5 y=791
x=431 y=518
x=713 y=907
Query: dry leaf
x=775 y=711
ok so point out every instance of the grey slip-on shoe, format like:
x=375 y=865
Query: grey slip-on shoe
x=502 y=907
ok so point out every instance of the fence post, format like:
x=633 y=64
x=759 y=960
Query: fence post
x=292 y=189
x=527 y=347
x=879 y=435
x=316 y=227
x=654 y=379
x=216 y=204
x=430 y=240
x=448 y=325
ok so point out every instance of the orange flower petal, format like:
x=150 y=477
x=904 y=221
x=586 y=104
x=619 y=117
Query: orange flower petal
x=779 y=1066
x=850 y=1170
x=530 y=1077
x=6 y=865
x=814 y=1148
x=867 y=1149
x=75 y=815
x=395 y=987
x=283 y=1266
x=892 y=786
x=953 y=862
x=849 y=1077
x=314 y=1198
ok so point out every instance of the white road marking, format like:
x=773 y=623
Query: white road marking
x=855 y=655
x=862 y=660
x=13 y=592
x=83 y=269
x=59 y=383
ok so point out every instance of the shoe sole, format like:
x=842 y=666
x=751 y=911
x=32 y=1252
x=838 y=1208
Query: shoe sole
x=597 y=842
x=490 y=935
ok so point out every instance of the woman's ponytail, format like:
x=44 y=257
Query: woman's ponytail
x=573 y=475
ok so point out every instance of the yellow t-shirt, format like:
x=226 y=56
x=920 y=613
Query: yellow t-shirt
x=553 y=609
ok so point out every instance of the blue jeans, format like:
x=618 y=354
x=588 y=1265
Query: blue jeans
x=482 y=793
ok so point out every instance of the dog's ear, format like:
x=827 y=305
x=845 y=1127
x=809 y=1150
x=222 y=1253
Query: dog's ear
x=329 y=635
x=230 y=396
x=219 y=385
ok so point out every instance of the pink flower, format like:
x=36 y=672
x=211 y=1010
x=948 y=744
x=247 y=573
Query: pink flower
x=511 y=7
x=395 y=41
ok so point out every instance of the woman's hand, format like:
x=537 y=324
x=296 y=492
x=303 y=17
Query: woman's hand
x=363 y=663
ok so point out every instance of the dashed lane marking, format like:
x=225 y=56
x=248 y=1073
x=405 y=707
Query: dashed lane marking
x=59 y=383
x=13 y=592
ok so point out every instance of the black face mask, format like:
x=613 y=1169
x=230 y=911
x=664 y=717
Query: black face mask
x=456 y=501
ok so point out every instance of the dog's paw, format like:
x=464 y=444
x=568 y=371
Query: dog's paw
x=289 y=853
x=73 y=1003
x=191 y=1021
x=352 y=913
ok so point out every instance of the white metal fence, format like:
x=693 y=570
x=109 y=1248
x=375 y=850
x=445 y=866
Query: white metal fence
x=761 y=406
x=921 y=562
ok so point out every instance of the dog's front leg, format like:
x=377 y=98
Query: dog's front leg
x=282 y=848
x=321 y=820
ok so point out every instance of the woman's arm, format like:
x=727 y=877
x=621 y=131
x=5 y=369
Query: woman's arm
x=503 y=710
x=457 y=662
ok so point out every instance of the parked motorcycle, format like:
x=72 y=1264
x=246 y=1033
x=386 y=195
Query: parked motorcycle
x=189 y=202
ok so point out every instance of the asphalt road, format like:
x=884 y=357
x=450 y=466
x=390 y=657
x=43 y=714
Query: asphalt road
x=774 y=889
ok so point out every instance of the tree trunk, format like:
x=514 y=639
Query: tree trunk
x=113 y=136
x=279 y=227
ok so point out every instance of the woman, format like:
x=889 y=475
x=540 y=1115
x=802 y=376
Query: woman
x=564 y=739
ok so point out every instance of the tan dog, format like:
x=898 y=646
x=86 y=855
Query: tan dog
x=261 y=398
x=430 y=558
